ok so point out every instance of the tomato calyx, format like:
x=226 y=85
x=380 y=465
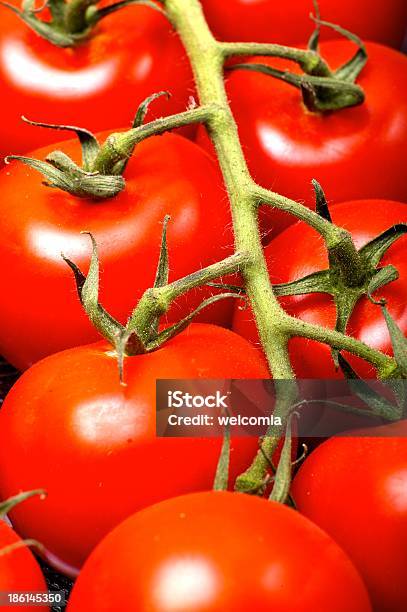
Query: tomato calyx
x=256 y=480
x=93 y=179
x=68 y=23
x=352 y=273
x=142 y=333
x=378 y=405
x=322 y=89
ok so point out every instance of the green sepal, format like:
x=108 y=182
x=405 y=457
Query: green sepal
x=174 y=330
x=141 y=113
x=374 y=250
x=162 y=273
x=349 y=71
x=44 y=29
x=227 y=287
x=317 y=282
x=89 y=144
x=313 y=42
x=163 y=270
x=320 y=93
x=144 y=106
x=57 y=10
x=93 y=15
x=321 y=204
x=27 y=543
x=378 y=405
x=222 y=470
x=398 y=342
x=69 y=26
x=383 y=277
x=88 y=291
x=60 y=172
x=282 y=478
x=8 y=505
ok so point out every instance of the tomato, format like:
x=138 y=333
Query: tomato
x=355 y=489
x=218 y=551
x=19 y=571
x=90 y=442
x=167 y=175
x=275 y=22
x=354 y=153
x=365 y=220
x=96 y=85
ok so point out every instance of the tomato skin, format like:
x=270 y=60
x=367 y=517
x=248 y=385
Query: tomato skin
x=19 y=570
x=218 y=551
x=354 y=153
x=70 y=425
x=365 y=219
x=274 y=22
x=99 y=84
x=354 y=488
x=167 y=175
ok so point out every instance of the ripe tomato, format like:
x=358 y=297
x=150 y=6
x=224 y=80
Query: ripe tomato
x=19 y=570
x=218 y=551
x=354 y=153
x=270 y=21
x=90 y=442
x=98 y=84
x=167 y=175
x=355 y=489
x=365 y=219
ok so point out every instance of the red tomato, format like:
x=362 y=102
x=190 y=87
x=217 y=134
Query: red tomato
x=98 y=84
x=167 y=175
x=355 y=489
x=90 y=442
x=354 y=153
x=218 y=551
x=299 y=251
x=19 y=570
x=287 y=23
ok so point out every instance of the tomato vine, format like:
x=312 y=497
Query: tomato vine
x=100 y=177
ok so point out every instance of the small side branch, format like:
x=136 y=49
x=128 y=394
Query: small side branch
x=119 y=146
x=298 y=328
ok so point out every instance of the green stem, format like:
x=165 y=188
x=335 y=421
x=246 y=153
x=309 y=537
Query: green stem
x=207 y=58
x=157 y=300
x=119 y=146
x=297 y=327
x=328 y=231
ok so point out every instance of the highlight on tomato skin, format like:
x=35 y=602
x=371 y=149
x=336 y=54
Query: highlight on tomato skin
x=364 y=219
x=97 y=85
x=167 y=175
x=355 y=489
x=290 y=23
x=69 y=427
x=218 y=551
